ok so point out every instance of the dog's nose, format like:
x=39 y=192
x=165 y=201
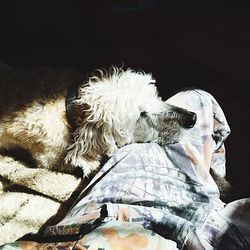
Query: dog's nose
x=189 y=119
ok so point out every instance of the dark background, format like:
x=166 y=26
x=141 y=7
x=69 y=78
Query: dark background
x=182 y=43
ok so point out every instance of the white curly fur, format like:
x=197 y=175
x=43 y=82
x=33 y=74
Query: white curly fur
x=112 y=109
x=112 y=119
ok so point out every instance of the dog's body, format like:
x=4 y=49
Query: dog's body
x=108 y=112
x=32 y=115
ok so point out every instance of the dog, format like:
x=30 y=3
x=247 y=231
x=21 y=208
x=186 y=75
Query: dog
x=64 y=126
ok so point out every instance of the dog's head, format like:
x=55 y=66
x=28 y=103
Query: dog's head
x=122 y=107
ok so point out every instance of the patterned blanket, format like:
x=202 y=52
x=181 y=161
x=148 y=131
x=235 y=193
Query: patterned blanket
x=152 y=197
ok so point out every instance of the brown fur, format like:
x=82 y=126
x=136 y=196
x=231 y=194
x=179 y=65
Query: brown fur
x=32 y=114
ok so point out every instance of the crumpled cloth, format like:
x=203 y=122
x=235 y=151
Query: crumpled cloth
x=152 y=197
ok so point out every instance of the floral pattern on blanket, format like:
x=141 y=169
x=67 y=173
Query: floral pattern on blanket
x=152 y=197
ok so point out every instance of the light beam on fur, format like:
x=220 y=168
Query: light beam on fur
x=111 y=109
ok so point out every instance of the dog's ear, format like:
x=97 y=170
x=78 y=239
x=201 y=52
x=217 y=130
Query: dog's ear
x=92 y=141
x=95 y=139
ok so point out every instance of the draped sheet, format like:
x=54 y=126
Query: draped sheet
x=149 y=196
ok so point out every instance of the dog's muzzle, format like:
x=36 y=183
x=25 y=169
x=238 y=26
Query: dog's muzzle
x=187 y=118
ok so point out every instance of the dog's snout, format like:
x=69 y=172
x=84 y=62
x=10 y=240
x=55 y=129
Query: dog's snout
x=189 y=119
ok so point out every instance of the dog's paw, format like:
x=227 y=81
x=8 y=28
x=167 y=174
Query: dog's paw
x=88 y=167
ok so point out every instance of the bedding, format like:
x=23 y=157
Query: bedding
x=152 y=197
x=29 y=197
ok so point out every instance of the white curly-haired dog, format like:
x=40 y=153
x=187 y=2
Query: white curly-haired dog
x=63 y=127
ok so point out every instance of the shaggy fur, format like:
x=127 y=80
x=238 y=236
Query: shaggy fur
x=110 y=109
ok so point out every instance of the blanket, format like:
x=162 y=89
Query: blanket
x=158 y=197
x=29 y=197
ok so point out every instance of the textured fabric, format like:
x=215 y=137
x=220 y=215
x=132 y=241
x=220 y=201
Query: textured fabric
x=152 y=197
x=29 y=197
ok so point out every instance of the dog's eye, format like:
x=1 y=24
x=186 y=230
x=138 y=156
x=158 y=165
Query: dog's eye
x=143 y=114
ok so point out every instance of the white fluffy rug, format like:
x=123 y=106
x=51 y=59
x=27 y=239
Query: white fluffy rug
x=29 y=197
